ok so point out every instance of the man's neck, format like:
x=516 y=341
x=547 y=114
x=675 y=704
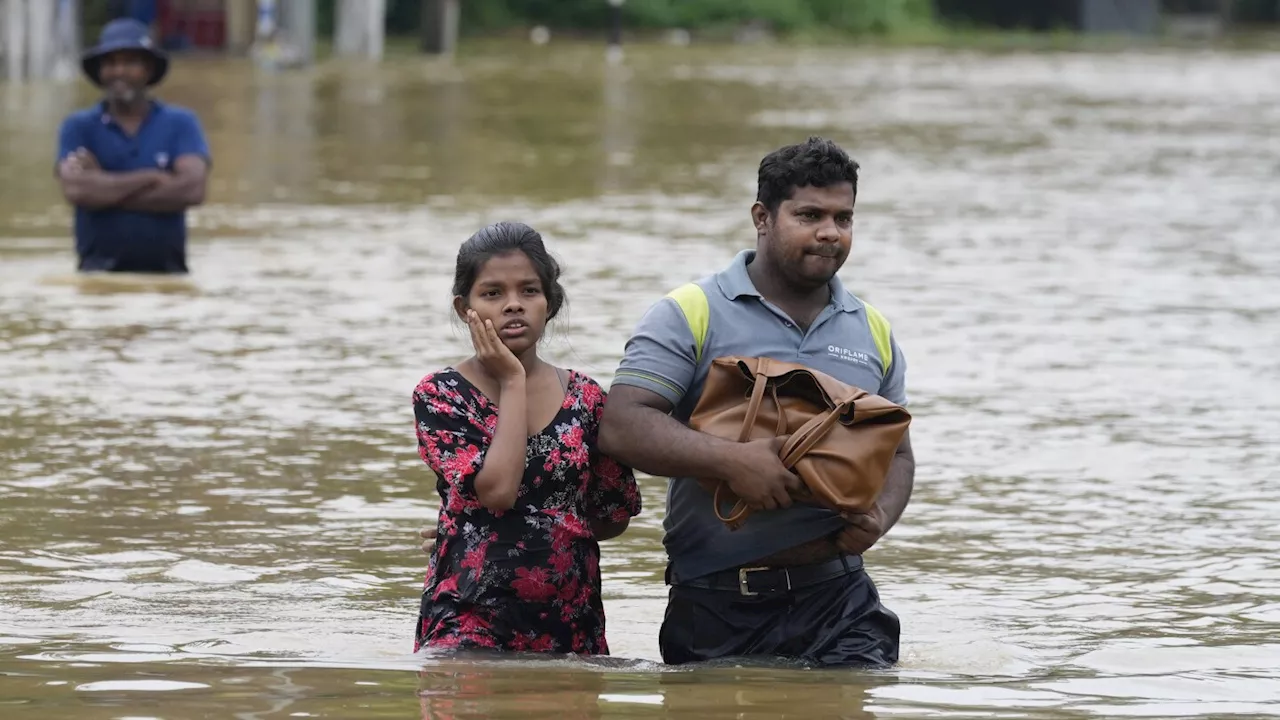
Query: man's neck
x=136 y=110
x=776 y=291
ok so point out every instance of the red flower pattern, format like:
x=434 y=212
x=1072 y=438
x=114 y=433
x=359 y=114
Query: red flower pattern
x=534 y=585
x=527 y=579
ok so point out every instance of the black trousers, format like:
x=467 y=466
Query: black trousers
x=837 y=622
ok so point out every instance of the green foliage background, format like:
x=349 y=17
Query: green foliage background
x=853 y=16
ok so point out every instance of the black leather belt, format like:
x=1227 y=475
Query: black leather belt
x=749 y=581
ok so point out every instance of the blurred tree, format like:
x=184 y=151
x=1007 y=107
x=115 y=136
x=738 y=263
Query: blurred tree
x=852 y=16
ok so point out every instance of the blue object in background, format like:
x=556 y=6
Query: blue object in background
x=144 y=11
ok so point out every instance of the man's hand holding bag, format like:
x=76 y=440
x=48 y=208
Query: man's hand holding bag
x=839 y=439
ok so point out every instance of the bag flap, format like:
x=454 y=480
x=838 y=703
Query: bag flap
x=815 y=386
x=793 y=375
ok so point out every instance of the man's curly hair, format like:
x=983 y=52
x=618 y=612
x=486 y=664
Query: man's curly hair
x=816 y=162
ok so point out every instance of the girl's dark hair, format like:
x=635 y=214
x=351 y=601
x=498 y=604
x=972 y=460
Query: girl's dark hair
x=502 y=238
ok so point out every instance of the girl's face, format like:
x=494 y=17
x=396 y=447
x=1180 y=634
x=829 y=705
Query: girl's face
x=507 y=292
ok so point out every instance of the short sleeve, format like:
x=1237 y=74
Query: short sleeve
x=189 y=138
x=894 y=386
x=660 y=356
x=70 y=137
x=451 y=441
x=613 y=495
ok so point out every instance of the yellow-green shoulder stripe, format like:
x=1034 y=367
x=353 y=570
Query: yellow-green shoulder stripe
x=693 y=303
x=880 y=334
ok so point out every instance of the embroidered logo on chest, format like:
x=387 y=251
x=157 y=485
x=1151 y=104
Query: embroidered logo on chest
x=852 y=356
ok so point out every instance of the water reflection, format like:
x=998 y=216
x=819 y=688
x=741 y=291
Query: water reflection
x=515 y=689
x=764 y=693
x=446 y=89
x=505 y=692
x=617 y=133
x=282 y=159
x=210 y=490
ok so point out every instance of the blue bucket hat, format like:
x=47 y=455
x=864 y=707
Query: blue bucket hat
x=124 y=34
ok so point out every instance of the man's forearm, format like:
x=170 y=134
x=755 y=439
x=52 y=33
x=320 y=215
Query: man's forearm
x=173 y=194
x=98 y=190
x=898 y=485
x=670 y=447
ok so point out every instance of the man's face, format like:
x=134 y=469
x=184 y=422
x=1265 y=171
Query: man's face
x=808 y=238
x=124 y=75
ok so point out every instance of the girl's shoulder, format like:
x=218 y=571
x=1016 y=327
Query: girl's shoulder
x=445 y=376
x=588 y=393
x=445 y=384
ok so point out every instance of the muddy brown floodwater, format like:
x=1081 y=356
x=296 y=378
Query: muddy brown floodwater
x=210 y=491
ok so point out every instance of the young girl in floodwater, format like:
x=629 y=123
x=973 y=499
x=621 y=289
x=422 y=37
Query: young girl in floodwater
x=525 y=494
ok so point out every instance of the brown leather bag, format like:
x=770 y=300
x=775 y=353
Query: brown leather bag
x=842 y=438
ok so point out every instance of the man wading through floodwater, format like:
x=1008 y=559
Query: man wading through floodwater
x=789 y=583
x=131 y=165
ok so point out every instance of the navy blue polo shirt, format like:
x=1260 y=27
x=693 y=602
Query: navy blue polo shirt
x=123 y=240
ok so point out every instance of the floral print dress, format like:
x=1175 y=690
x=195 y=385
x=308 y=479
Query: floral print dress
x=528 y=578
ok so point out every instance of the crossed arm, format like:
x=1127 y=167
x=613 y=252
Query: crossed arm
x=86 y=184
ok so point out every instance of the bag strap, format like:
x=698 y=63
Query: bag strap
x=761 y=383
x=810 y=434
x=758 y=387
x=738 y=513
x=781 y=429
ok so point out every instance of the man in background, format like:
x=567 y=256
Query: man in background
x=131 y=165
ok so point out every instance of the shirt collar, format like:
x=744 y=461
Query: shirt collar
x=107 y=119
x=735 y=282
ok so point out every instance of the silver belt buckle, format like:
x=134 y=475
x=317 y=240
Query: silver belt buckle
x=742 y=579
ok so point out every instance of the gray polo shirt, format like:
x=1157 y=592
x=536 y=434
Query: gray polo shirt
x=669 y=354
